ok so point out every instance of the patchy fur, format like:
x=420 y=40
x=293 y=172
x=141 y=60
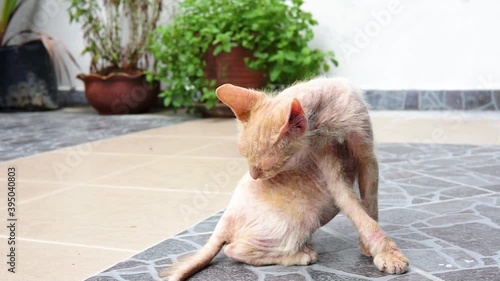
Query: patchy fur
x=305 y=149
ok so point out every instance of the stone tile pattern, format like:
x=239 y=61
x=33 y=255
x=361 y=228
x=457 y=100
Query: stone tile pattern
x=433 y=100
x=28 y=133
x=440 y=203
x=68 y=98
x=388 y=99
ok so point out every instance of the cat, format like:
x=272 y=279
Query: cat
x=305 y=148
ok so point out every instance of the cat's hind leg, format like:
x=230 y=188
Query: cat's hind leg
x=368 y=191
x=245 y=253
x=361 y=148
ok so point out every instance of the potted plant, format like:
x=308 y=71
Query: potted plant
x=212 y=42
x=29 y=69
x=116 y=33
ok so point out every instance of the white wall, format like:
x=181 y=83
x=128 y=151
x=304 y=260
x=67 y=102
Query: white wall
x=424 y=44
x=419 y=44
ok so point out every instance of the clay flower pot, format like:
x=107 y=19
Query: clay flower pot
x=119 y=93
x=231 y=68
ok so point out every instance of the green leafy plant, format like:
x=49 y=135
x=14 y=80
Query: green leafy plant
x=116 y=32
x=276 y=31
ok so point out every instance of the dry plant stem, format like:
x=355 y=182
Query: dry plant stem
x=117 y=32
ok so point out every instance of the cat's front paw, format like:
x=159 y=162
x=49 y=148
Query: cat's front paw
x=313 y=256
x=392 y=261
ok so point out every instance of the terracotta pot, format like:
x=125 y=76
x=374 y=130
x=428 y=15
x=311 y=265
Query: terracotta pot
x=119 y=93
x=231 y=68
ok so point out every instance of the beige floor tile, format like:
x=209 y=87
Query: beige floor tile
x=114 y=217
x=72 y=165
x=436 y=127
x=183 y=173
x=202 y=128
x=27 y=190
x=153 y=145
x=51 y=262
x=220 y=148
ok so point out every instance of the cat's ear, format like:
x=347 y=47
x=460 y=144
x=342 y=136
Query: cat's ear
x=240 y=100
x=296 y=121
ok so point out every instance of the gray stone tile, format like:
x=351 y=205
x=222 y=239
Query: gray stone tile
x=205 y=226
x=331 y=244
x=411 y=100
x=35 y=132
x=319 y=275
x=462 y=192
x=454 y=100
x=350 y=261
x=496 y=99
x=126 y=264
x=495 y=188
x=164 y=261
x=461 y=258
x=165 y=248
x=386 y=100
x=398 y=175
x=139 y=277
x=288 y=277
x=402 y=216
x=414 y=236
x=483 y=274
x=432 y=100
x=477 y=100
x=492 y=170
x=200 y=239
x=410 y=277
x=101 y=278
x=475 y=237
x=225 y=271
x=426 y=182
x=453 y=218
x=489 y=261
x=446 y=207
x=429 y=260
x=277 y=269
x=404 y=244
x=493 y=213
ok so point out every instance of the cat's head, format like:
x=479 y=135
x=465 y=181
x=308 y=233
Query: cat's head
x=272 y=132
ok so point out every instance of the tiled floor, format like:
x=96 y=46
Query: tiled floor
x=27 y=133
x=84 y=208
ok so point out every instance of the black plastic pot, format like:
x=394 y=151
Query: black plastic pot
x=27 y=78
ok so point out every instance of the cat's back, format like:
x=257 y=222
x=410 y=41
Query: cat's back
x=329 y=102
x=326 y=87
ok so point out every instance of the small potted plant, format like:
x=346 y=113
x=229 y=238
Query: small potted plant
x=116 y=33
x=29 y=65
x=250 y=43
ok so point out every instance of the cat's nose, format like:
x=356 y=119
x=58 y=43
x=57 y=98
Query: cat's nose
x=255 y=172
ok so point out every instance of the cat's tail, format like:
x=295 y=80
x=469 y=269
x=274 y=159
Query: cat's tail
x=195 y=262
